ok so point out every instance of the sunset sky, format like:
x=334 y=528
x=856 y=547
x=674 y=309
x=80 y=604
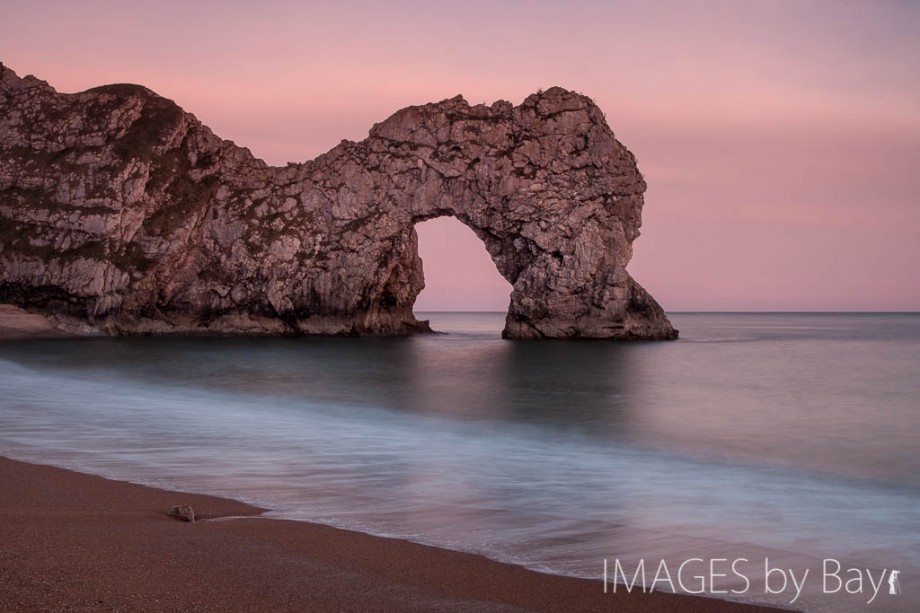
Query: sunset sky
x=780 y=140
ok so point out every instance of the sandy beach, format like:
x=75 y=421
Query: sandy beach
x=18 y=323
x=70 y=541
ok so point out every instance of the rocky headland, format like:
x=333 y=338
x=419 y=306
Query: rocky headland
x=120 y=213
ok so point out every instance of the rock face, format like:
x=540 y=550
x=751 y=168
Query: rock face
x=121 y=213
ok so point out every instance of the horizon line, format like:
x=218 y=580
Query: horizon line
x=693 y=312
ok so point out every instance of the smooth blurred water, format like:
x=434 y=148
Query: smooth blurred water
x=793 y=436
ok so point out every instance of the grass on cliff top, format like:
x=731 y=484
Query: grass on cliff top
x=158 y=117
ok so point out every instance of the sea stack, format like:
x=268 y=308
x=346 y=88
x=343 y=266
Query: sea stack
x=120 y=213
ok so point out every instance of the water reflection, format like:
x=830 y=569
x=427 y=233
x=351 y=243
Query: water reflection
x=570 y=386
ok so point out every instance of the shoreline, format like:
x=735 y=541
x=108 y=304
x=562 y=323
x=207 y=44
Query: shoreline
x=70 y=540
x=19 y=324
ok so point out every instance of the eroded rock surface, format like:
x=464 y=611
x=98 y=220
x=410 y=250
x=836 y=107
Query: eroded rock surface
x=120 y=212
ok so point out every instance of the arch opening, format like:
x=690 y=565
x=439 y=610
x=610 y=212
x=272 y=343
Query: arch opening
x=460 y=275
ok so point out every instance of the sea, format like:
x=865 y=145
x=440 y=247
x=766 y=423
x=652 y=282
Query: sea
x=760 y=451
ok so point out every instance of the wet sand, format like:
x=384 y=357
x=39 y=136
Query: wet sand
x=70 y=541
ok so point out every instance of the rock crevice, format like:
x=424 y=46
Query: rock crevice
x=120 y=212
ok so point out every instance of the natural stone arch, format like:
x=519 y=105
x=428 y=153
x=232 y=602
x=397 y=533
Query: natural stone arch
x=131 y=216
x=555 y=198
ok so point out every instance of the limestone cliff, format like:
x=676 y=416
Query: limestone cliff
x=121 y=213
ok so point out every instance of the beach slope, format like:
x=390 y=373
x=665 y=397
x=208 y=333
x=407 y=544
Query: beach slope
x=70 y=541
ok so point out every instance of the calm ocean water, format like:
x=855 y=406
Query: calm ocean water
x=789 y=436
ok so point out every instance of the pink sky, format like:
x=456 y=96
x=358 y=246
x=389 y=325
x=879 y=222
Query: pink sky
x=780 y=140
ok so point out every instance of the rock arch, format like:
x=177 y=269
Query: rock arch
x=126 y=214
